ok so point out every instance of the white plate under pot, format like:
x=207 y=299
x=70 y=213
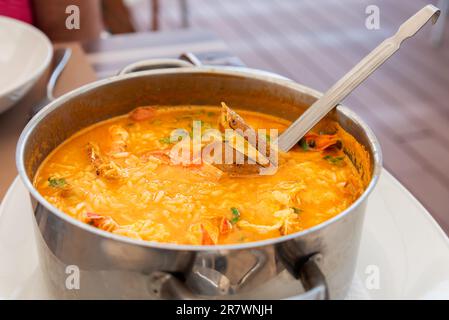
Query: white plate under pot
x=404 y=254
x=25 y=53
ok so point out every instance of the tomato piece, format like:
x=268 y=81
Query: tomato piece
x=142 y=113
x=206 y=238
x=225 y=226
x=100 y=222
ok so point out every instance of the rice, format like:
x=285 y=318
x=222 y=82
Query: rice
x=141 y=196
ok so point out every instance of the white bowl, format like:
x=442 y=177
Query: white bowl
x=25 y=53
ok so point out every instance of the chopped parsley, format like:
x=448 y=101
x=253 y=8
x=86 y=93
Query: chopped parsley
x=334 y=160
x=267 y=137
x=235 y=215
x=205 y=125
x=165 y=140
x=56 y=182
x=296 y=210
x=303 y=144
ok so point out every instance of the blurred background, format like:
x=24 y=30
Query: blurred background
x=314 y=42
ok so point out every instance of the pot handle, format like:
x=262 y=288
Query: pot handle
x=167 y=286
x=312 y=279
x=185 y=60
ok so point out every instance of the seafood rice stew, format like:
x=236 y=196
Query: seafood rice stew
x=118 y=175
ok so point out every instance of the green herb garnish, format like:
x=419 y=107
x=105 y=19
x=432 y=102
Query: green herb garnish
x=165 y=140
x=267 y=136
x=303 y=144
x=235 y=215
x=56 y=182
x=210 y=114
x=296 y=210
x=205 y=125
x=334 y=160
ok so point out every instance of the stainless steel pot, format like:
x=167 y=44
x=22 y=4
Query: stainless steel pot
x=316 y=263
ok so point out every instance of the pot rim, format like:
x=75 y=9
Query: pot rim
x=226 y=71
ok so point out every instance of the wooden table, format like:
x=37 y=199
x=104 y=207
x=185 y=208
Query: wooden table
x=110 y=55
x=101 y=59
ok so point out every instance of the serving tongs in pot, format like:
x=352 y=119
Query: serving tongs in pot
x=351 y=80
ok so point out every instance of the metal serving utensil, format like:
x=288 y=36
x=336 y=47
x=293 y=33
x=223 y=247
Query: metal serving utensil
x=354 y=77
x=321 y=107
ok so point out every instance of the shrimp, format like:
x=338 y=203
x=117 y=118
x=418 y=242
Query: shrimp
x=229 y=119
x=108 y=169
x=119 y=138
x=99 y=221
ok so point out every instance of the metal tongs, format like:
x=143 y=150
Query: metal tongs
x=352 y=80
